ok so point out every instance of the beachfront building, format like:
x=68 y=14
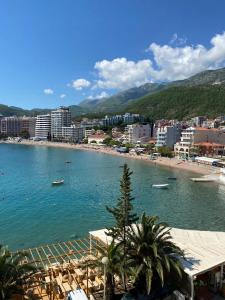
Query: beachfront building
x=138 y=133
x=59 y=118
x=168 y=135
x=73 y=133
x=43 y=126
x=10 y=126
x=193 y=137
x=88 y=132
x=13 y=126
x=97 y=138
x=28 y=124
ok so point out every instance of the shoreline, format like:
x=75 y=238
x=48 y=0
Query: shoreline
x=161 y=161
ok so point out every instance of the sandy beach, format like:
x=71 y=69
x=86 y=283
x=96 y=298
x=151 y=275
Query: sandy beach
x=163 y=161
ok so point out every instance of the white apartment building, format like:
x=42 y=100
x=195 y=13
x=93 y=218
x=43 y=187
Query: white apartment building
x=73 y=134
x=168 y=135
x=89 y=132
x=138 y=133
x=43 y=126
x=59 y=118
x=196 y=135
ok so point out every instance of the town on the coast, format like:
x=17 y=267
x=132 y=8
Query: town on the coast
x=112 y=150
x=139 y=257
x=199 y=139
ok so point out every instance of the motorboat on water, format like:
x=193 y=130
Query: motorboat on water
x=58 y=182
x=161 y=186
x=172 y=178
x=68 y=162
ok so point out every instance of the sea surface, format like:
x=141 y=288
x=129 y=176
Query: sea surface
x=33 y=212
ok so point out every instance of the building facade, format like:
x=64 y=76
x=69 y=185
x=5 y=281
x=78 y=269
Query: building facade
x=28 y=125
x=192 y=137
x=168 y=135
x=127 y=118
x=59 y=118
x=43 y=126
x=10 y=126
x=73 y=134
x=138 y=133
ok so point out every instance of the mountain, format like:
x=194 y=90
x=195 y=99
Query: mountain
x=6 y=110
x=119 y=101
x=201 y=94
x=206 y=77
x=16 y=111
x=182 y=102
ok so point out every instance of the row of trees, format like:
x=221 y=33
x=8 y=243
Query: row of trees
x=141 y=251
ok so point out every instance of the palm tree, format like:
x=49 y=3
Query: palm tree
x=152 y=255
x=113 y=267
x=13 y=272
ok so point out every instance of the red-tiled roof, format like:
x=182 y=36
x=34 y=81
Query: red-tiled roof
x=207 y=144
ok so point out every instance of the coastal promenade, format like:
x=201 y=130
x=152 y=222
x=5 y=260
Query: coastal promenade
x=162 y=161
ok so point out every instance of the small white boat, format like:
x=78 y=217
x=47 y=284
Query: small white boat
x=202 y=179
x=160 y=186
x=58 y=182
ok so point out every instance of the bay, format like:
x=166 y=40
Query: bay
x=33 y=212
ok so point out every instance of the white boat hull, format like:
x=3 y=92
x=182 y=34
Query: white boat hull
x=160 y=186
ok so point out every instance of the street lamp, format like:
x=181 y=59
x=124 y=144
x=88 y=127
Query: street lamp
x=105 y=261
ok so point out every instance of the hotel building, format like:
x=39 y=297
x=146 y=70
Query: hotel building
x=138 y=133
x=192 y=137
x=59 y=118
x=168 y=135
x=43 y=126
x=73 y=134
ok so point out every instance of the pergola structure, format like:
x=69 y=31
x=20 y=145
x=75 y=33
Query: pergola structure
x=60 y=253
x=63 y=268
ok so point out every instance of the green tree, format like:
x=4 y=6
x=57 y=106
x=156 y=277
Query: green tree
x=12 y=272
x=123 y=215
x=153 y=257
x=24 y=134
x=107 y=141
x=166 y=151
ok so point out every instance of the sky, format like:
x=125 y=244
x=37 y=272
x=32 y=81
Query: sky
x=59 y=52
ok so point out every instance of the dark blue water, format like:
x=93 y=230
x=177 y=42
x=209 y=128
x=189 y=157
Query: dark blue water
x=33 y=212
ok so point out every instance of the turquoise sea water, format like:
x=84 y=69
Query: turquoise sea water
x=33 y=212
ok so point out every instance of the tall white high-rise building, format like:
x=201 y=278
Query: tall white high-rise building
x=59 y=118
x=43 y=126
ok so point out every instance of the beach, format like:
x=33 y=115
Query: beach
x=162 y=161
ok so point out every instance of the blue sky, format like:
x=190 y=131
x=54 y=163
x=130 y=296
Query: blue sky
x=58 y=52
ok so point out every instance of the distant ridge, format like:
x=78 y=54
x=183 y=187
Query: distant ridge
x=201 y=94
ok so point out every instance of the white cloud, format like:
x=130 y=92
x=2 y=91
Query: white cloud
x=121 y=73
x=169 y=62
x=48 y=91
x=99 y=96
x=62 y=96
x=173 y=63
x=80 y=83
